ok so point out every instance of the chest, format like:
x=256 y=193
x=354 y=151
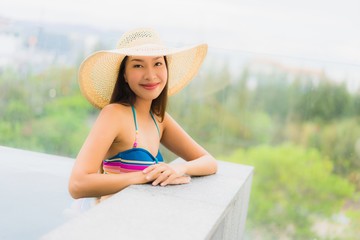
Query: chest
x=145 y=134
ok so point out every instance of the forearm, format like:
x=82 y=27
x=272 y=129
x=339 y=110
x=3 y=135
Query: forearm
x=204 y=165
x=96 y=185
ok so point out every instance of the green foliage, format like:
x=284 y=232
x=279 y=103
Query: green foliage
x=272 y=95
x=45 y=111
x=48 y=115
x=291 y=185
x=61 y=128
x=339 y=140
x=323 y=103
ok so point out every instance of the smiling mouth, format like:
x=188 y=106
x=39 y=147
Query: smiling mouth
x=150 y=86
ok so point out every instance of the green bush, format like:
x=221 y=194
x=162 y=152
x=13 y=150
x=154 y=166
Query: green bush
x=291 y=186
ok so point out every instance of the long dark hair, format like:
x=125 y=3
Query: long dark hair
x=124 y=95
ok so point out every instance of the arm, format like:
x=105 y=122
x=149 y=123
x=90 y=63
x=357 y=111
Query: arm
x=85 y=180
x=198 y=161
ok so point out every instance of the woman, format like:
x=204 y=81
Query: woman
x=130 y=85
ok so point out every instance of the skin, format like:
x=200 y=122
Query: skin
x=111 y=134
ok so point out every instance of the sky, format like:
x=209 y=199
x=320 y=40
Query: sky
x=319 y=30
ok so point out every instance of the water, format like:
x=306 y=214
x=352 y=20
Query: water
x=34 y=196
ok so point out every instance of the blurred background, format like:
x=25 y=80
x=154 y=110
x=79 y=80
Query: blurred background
x=279 y=90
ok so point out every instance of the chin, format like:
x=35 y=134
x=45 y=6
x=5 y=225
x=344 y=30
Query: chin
x=150 y=97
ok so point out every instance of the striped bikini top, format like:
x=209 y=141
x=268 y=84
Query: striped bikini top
x=134 y=159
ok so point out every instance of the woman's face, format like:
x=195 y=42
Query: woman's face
x=146 y=76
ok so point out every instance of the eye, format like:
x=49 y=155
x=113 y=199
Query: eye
x=137 y=66
x=158 y=64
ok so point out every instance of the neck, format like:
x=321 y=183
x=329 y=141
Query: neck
x=142 y=106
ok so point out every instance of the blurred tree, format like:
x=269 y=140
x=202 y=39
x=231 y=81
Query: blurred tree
x=324 y=103
x=291 y=186
x=43 y=111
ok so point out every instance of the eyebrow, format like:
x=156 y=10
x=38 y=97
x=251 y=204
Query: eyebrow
x=140 y=60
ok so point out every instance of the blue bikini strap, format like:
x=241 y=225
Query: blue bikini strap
x=157 y=127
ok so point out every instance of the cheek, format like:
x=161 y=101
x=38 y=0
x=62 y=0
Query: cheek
x=164 y=76
x=132 y=77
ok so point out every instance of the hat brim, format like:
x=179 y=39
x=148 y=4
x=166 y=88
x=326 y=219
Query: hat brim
x=98 y=73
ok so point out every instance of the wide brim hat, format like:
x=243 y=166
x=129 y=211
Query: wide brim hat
x=98 y=73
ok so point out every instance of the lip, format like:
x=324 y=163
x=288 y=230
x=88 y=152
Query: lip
x=150 y=86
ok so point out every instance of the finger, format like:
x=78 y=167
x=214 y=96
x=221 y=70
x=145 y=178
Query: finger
x=152 y=167
x=171 y=178
x=149 y=168
x=181 y=180
x=162 y=177
x=154 y=172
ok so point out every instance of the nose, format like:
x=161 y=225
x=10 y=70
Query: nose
x=150 y=73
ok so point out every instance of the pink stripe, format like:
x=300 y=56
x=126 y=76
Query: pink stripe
x=118 y=169
x=126 y=166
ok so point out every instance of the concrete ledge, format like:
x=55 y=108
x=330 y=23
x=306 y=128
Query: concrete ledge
x=211 y=207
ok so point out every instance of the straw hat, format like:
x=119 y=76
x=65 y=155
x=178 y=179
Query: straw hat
x=98 y=72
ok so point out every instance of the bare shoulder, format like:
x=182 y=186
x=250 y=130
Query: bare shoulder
x=113 y=121
x=167 y=118
x=115 y=114
x=115 y=110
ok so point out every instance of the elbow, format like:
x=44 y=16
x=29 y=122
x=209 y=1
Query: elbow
x=211 y=165
x=74 y=189
x=214 y=167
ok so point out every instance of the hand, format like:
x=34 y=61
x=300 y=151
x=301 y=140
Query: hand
x=180 y=180
x=165 y=174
